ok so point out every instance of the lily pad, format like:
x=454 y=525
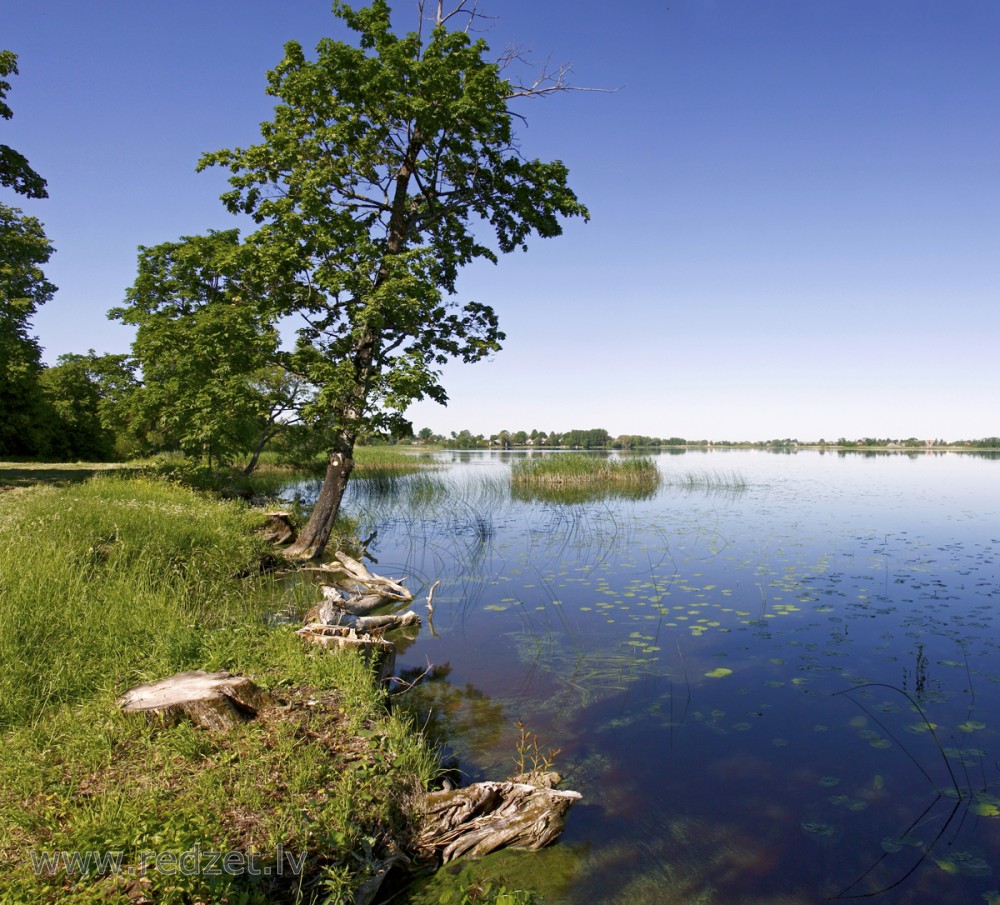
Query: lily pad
x=719 y=673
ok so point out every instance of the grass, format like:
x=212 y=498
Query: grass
x=710 y=482
x=26 y=474
x=575 y=470
x=118 y=581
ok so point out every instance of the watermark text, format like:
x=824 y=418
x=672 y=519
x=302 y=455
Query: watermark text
x=196 y=861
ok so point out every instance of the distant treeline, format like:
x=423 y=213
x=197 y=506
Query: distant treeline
x=599 y=438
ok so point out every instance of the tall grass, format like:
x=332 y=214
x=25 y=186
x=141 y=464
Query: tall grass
x=111 y=581
x=582 y=470
x=117 y=581
x=729 y=482
x=388 y=459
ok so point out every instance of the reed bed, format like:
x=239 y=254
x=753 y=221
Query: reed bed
x=582 y=470
x=382 y=460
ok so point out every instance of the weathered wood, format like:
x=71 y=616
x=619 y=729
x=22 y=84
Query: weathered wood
x=329 y=612
x=478 y=819
x=214 y=701
x=378 y=653
x=359 y=606
x=279 y=528
x=385 y=587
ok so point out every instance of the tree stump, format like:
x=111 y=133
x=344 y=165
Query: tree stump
x=481 y=818
x=279 y=529
x=213 y=701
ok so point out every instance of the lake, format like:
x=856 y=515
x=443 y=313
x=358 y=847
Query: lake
x=776 y=680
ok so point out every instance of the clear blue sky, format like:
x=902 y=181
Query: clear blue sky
x=795 y=203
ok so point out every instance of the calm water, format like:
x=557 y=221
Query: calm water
x=778 y=693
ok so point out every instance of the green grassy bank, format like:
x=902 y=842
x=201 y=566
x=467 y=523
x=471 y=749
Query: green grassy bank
x=118 y=581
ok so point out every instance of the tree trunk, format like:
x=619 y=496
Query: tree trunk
x=348 y=416
x=255 y=458
x=314 y=536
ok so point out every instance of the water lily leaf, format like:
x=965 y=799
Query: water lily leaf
x=964 y=863
x=817 y=828
x=971 y=726
x=719 y=673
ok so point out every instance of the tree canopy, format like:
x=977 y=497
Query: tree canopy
x=15 y=172
x=24 y=248
x=207 y=349
x=389 y=165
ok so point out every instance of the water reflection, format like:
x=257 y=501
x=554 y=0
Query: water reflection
x=780 y=695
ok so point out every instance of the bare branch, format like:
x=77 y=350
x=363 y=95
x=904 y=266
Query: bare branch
x=469 y=8
x=548 y=79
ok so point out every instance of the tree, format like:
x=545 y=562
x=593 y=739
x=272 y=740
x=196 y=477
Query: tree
x=14 y=169
x=86 y=396
x=207 y=351
x=385 y=168
x=24 y=248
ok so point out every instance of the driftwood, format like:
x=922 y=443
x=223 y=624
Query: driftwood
x=481 y=818
x=376 y=584
x=330 y=613
x=279 y=529
x=361 y=605
x=212 y=700
x=379 y=653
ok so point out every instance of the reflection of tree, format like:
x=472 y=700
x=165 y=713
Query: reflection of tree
x=461 y=718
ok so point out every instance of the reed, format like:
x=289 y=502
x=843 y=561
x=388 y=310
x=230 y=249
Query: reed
x=582 y=470
x=709 y=481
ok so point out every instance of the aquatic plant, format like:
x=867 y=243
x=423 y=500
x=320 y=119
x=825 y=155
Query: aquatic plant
x=529 y=756
x=709 y=481
x=581 y=470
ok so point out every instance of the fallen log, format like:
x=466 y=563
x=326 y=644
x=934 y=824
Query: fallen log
x=478 y=819
x=360 y=606
x=329 y=613
x=214 y=701
x=384 y=587
x=378 y=653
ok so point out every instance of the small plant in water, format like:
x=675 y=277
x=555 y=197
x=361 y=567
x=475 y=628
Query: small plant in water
x=528 y=756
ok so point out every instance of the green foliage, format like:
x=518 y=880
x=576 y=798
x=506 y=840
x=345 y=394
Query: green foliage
x=87 y=398
x=24 y=248
x=210 y=386
x=146 y=565
x=385 y=166
x=14 y=169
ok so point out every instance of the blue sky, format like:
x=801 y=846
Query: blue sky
x=795 y=203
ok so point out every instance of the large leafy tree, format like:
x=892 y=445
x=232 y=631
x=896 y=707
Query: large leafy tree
x=86 y=398
x=24 y=249
x=388 y=166
x=206 y=347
